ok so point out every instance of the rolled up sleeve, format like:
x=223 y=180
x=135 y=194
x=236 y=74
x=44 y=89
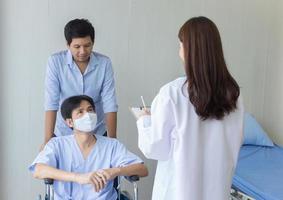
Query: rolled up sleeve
x=108 y=93
x=47 y=156
x=52 y=86
x=121 y=157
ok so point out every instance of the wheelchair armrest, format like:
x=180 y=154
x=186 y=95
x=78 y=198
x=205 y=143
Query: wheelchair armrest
x=132 y=178
x=48 y=181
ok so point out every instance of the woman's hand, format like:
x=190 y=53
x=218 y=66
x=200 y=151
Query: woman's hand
x=144 y=112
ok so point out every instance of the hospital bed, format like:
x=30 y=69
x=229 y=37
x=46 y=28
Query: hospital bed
x=259 y=174
x=122 y=195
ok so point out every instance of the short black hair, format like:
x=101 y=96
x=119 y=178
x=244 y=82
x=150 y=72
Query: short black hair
x=72 y=103
x=78 y=28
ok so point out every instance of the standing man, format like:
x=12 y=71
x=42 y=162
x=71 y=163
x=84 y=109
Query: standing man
x=79 y=71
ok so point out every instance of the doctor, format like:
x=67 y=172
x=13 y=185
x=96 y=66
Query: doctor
x=196 y=124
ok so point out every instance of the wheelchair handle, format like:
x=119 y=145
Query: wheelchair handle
x=48 y=181
x=133 y=178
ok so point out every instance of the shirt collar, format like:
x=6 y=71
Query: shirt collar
x=93 y=61
x=69 y=58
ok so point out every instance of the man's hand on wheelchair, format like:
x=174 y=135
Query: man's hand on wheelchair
x=99 y=178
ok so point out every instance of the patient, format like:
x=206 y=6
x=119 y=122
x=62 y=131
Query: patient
x=83 y=165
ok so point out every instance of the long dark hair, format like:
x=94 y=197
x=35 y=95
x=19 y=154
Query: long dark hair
x=212 y=90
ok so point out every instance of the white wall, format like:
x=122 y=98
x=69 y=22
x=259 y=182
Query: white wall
x=273 y=89
x=141 y=39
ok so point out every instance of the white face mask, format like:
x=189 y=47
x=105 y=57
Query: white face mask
x=86 y=123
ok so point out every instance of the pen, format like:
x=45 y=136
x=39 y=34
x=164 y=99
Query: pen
x=144 y=106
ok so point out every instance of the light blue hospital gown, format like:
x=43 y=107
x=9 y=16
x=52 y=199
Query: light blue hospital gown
x=64 y=153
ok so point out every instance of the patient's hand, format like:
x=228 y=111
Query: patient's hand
x=99 y=178
x=110 y=173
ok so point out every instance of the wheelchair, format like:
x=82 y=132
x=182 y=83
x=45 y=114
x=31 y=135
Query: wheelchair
x=122 y=195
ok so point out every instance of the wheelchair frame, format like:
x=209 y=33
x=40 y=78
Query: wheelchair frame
x=49 y=190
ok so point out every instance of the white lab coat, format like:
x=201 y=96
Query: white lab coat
x=196 y=159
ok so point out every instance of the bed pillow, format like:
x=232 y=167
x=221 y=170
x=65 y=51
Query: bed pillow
x=254 y=133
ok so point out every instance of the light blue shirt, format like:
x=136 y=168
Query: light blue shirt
x=64 y=79
x=64 y=153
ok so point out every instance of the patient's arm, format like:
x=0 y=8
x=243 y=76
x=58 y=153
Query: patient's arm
x=134 y=169
x=98 y=179
x=111 y=173
x=130 y=170
x=44 y=171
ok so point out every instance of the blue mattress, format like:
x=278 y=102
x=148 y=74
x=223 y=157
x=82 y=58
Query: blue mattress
x=259 y=172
